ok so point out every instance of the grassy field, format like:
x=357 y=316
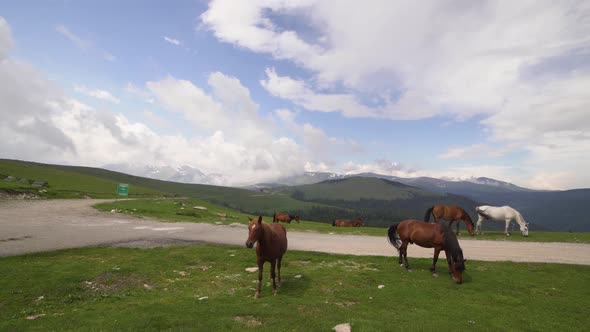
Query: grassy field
x=171 y=210
x=64 y=184
x=206 y=288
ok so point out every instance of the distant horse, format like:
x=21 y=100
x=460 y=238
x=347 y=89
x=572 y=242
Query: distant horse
x=438 y=236
x=450 y=213
x=271 y=245
x=501 y=213
x=348 y=223
x=285 y=217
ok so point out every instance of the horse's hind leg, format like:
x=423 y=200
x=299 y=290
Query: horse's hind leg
x=279 y=269
x=404 y=250
x=273 y=265
x=434 y=259
x=478 y=227
x=458 y=222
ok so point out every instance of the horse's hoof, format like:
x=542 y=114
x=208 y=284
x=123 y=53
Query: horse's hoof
x=257 y=295
x=274 y=293
x=401 y=265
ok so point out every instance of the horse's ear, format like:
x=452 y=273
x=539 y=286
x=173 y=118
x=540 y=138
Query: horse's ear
x=259 y=219
x=250 y=219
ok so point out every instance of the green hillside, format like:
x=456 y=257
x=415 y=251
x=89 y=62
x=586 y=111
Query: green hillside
x=62 y=183
x=378 y=201
x=76 y=181
x=355 y=189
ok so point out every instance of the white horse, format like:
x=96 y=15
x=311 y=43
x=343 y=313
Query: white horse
x=501 y=213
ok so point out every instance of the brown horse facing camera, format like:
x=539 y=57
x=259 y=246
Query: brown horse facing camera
x=285 y=217
x=438 y=236
x=348 y=223
x=451 y=213
x=271 y=245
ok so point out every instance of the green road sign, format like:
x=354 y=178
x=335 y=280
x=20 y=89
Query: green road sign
x=123 y=189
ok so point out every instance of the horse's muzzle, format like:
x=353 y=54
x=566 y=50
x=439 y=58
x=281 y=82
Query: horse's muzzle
x=249 y=245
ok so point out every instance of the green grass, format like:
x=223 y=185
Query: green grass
x=169 y=210
x=159 y=289
x=64 y=184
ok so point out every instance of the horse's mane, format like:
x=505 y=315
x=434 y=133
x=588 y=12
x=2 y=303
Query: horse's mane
x=452 y=245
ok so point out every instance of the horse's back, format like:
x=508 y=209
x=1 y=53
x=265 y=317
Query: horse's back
x=421 y=233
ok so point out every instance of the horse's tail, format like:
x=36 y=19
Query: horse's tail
x=334 y=222
x=428 y=212
x=480 y=212
x=274 y=216
x=392 y=236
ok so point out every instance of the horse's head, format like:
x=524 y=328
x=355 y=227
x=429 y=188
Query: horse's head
x=254 y=231
x=469 y=224
x=457 y=267
x=297 y=218
x=524 y=229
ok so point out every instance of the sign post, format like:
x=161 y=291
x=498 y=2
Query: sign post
x=123 y=189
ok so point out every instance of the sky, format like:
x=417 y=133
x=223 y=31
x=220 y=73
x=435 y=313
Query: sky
x=243 y=92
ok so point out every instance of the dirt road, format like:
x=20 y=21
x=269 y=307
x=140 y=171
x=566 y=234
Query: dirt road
x=32 y=226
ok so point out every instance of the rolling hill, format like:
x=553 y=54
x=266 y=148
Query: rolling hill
x=380 y=201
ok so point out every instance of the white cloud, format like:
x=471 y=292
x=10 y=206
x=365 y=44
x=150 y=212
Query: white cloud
x=5 y=38
x=321 y=147
x=522 y=66
x=81 y=43
x=84 y=44
x=172 y=41
x=97 y=93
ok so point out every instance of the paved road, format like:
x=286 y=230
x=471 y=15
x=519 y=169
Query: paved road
x=32 y=226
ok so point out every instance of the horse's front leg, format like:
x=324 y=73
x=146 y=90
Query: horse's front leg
x=506 y=227
x=449 y=263
x=458 y=221
x=434 y=259
x=273 y=264
x=260 y=267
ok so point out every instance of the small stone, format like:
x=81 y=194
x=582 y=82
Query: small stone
x=342 y=327
x=33 y=317
x=297 y=276
x=251 y=269
x=381 y=286
x=203 y=298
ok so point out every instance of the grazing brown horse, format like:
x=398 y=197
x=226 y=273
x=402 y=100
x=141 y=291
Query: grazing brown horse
x=285 y=217
x=348 y=223
x=438 y=236
x=271 y=245
x=451 y=213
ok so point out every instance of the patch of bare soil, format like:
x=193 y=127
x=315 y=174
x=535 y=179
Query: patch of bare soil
x=115 y=283
x=249 y=321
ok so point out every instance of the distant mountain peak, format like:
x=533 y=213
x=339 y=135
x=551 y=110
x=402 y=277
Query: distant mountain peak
x=179 y=173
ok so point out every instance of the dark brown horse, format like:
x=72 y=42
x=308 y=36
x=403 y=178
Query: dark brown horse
x=271 y=245
x=348 y=223
x=285 y=217
x=438 y=236
x=450 y=213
